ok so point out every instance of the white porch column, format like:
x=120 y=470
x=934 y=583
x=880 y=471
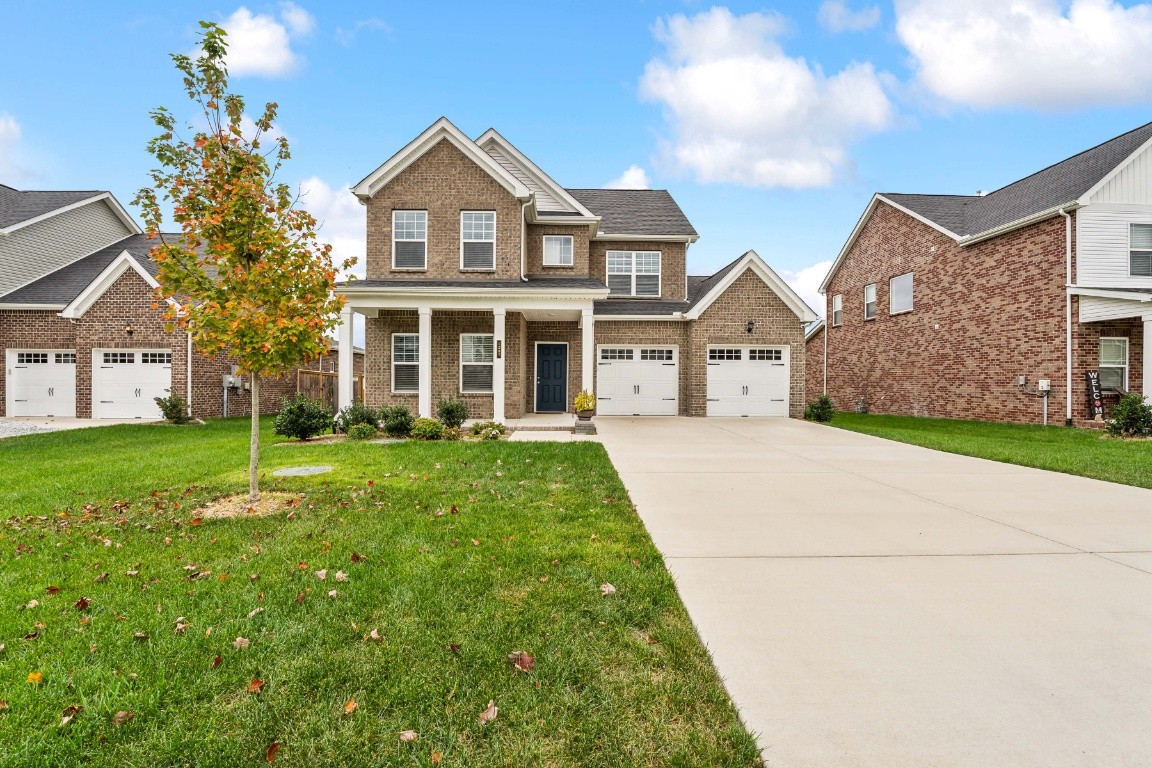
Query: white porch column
x=425 y=401
x=345 y=383
x=499 y=355
x=587 y=349
x=1147 y=362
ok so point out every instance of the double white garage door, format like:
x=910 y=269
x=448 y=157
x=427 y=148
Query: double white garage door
x=645 y=381
x=125 y=382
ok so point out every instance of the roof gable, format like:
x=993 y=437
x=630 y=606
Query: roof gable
x=105 y=280
x=550 y=196
x=58 y=289
x=19 y=209
x=636 y=213
x=716 y=285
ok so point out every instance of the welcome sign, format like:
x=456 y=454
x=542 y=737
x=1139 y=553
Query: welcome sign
x=1095 y=396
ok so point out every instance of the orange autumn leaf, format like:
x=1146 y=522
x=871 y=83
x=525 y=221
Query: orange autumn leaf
x=35 y=678
x=350 y=706
x=270 y=753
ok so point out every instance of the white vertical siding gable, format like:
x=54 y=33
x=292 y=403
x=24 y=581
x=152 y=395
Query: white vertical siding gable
x=1130 y=183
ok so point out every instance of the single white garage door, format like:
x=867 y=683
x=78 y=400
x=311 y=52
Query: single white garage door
x=41 y=382
x=637 y=381
x=748 y=381
x=125 y=382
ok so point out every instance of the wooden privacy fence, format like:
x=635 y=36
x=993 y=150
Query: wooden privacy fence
x=318 y=385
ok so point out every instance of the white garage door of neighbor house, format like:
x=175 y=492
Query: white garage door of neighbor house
x=748 y=381
x=41 y=382
x=125 y=382
x=637 y=381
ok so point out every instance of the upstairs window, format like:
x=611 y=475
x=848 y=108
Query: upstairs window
x=557 y=250
x=476 y=356
x=870 y=301
x=633 y=273
x=405 y=362
x=478 y=240
x=837 y=309
x=1113 y=363
x=900 y=294
x=1140 y=251
x=409 y=239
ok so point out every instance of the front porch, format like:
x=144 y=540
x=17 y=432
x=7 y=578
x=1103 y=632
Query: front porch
x=1114 y=338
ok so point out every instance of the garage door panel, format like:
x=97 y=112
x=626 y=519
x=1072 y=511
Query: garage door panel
x=125 y=383
x=748 y=381
x=637 y=380
x=41 y=382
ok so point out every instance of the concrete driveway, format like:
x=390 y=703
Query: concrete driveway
x=870 y=603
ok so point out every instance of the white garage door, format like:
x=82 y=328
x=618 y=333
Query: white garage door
x=748 y=381
x=41 y=382
x=126 y=381
x=637 y=381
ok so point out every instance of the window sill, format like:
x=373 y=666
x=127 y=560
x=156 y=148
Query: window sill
x=475 y=392
x=478 y=269
x=406 y=392
x=901 y=312
x=558 y=266
x=869 y=319
x=410 y=269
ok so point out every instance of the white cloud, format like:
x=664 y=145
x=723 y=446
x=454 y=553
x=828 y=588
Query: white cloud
x=633 y=178
x=13 y=169
x=806 y=282
x=742 y=111
x=261 y=45
x=836 y=16
x=300 y=23
x=347 y=36
x=1044 y=54
x=340 y=219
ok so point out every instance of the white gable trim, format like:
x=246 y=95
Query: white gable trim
x=1104 y=293
x=814 y=329
x=441 y=130
x=752 y=261
x=1087 y=196
x=491 y=136
x=103 y=282
x=107 y=197
x=31 y=306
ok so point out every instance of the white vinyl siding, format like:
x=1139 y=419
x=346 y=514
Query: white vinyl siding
x=900 y=294
x=837 y=309
x=1113 y=363
x=557 y=250
x=1104 y=240
x=870 y=301
x=478 y=240
x=633 y=273
x=546 y=202
x=1131 y=184
x=476 y=357
x=1140 y=250
x=405 y=362
x=1096 y=308
x=409 y=239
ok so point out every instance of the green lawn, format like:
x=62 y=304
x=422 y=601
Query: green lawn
x=1061 y=449
x=619 y=680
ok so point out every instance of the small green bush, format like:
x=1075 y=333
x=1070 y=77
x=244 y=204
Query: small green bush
x=354 y=414
x=173 y=407
x=397 y=420
x=453 y=433
x=1131 y=417
x=820 y=409
x=361 y=432
x=488 y=430
x=302 y=418
x=427 y=429
x=452 y=412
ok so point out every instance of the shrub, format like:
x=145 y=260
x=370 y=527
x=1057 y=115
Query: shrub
x=452 y=412
x=397 y=420
x=361 y=432
x=354 y=414
x=1130 y=417
x=427 y=429
x=485 y=428
x=302 y=418
x=453 y=433
x=585 y=401
x=173 y=408
x=820 y=409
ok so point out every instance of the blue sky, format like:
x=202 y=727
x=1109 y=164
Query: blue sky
x=772 y=124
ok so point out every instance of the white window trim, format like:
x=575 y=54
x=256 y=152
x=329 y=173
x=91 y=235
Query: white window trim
x=632 y=294
x=571 y=249
x=890 y=293
x=392 y=357
x=460 y=356
x=425 y=240
x=493 y=241
x=1130 y=249
x=875 y=302
x=837 y=308
x=1127 y=358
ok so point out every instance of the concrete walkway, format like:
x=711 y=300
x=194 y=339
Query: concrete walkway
x=871 y=603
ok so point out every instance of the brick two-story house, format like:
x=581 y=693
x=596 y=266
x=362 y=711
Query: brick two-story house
x=970 y=306
x=488 y=281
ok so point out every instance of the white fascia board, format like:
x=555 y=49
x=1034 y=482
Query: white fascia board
x=677 y=317
x=1017 y=224
x=751 y=260
x=103 y=282
x=544 y=218
x=440 y=130
x=43 y=307
x=107 y=197
x=1087 y=196
x=1104 y=293
x=815 y=329
x=533 y=170
x=366 y=304
x=655 y=238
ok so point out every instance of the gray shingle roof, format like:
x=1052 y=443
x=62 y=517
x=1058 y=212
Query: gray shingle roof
x=17 y=206
x=533 y=282
x=698 y=286
x=635 y=212
x=1056 y=185
x=64 y=285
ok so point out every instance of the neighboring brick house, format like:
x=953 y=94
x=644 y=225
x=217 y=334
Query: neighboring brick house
x=941 y=305
x=79 y=334
x=488 y=281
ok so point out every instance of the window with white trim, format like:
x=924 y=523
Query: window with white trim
x=557 y=250
x=476 y=359
x=656 y=355
x=633 y=273
x=478 y=240
x=766 y=355
x=405 y=362
x=409 y=239
x=870 y=301
x=156 y=358
x=725 y=354
x=1140 y=250
x=31 y=358
x=119 y=358
x=65 y=357
x=1113 y=362
x=900 y=294
x=837 y=309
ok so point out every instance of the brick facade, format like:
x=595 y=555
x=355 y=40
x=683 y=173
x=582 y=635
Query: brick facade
x=657 y=333
x=673 y=263
x=534 y=251
x=814 y=365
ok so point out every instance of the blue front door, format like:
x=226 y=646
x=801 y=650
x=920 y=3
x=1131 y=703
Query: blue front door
x=551 y=377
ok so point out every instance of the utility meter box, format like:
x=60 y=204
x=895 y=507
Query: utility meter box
x=231 y=382
x=1044 y=385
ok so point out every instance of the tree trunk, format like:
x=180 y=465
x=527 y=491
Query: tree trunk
x=254 y=446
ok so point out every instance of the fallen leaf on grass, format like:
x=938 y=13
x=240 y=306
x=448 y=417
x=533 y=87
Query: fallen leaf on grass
x=454 y=647
x=2 y=647
x=522 y=660
x=31 y=635
x=140 y=636
x=81 y=604
x=255 y=612
x=195 y=521
x=182 y=625
x=341 y=576
x=240 y=643
x=543 y=579
x=374 y=635
x=607 y=589
x=322 y=574
x=300 y=597
x=130 y=574
x=408 y=736
x=31 y=604
x=70 y=714
x=122 y=717
x=350 y=706
x=475 y=543
x=270 y=753
x=3 y=704
x=356 y=557
x=52 y=589
x=332 y=593
x=35 y=678
x=489 y=714
x=255 y=686
x=216 y=661
x=436 y=757
x=301 y=566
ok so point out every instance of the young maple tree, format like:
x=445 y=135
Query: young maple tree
x=250 y=278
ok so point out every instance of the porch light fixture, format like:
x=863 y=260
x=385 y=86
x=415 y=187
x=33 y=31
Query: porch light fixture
x=129 y=328
x=751 y=326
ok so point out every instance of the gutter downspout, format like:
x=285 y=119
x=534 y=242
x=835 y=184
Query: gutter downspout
x=1067 y=317
x=825 y=356
x=523 y=228
x=188 y=374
